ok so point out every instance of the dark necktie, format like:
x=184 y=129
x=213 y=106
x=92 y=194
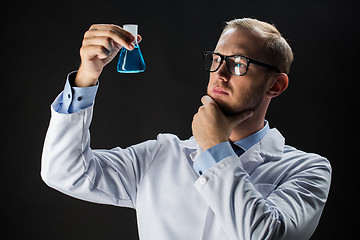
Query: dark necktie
x=238 y=150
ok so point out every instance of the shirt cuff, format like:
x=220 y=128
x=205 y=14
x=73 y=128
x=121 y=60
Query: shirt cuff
x=212 y=156
x=74 y=99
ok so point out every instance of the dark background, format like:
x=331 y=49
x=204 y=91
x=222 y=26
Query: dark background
x=40 y=45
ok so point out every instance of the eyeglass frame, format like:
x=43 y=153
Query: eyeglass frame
x=248 y=60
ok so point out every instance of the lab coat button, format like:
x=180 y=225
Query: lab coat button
x=202 y=180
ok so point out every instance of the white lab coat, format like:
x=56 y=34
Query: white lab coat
x=272 y=191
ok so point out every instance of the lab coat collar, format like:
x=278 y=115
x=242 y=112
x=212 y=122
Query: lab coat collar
x=190 y=144
x=272 y=145
x=269 y=148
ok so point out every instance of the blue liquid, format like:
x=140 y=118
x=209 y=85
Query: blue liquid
x=131 y=61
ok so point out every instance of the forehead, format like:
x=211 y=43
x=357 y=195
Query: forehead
x=241 y=42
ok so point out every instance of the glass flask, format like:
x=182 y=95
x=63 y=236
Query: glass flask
x=131 y=61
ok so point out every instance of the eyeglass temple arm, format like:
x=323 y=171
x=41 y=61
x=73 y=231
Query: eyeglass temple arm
x=265 y=65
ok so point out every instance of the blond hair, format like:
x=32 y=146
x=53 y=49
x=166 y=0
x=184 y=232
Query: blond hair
x=277 y=50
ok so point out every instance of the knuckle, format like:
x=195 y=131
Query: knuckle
x=93 y=26
x=109 y=32
x=104 y=50
x=101 y=48
x=83 y=51
x=87 y=34
x=84 y=41
x=212 y=104
x=113 y=26
x=107 y=40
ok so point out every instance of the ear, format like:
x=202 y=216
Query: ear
x=279 y=83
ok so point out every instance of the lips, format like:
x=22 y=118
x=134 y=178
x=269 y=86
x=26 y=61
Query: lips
x=219 y=91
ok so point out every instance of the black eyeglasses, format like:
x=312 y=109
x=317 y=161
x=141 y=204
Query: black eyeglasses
x=236 y=65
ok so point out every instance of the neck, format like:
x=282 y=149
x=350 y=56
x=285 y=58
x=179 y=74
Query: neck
x=250 y=125
x=246 y=128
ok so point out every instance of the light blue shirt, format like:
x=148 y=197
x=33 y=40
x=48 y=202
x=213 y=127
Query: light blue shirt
x=272 y=191
x=74 y=99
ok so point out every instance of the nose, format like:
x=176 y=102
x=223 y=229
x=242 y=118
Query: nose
x=222 y=73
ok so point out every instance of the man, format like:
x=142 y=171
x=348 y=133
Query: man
x=234 y=179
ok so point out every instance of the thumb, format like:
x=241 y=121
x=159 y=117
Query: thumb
x=207 y=99
x=240 y=117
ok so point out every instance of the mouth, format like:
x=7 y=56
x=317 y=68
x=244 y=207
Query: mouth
x=219 y=91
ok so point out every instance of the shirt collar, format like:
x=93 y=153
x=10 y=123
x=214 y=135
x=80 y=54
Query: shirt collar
x=248 y=142
x=245 y=143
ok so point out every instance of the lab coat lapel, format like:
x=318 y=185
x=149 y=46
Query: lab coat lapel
x=269 y=148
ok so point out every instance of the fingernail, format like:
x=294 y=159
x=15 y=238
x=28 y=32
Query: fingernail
x=208 y=99
x=131 y=46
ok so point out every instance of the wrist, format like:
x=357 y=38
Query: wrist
x=84 y=79
x=211 y=143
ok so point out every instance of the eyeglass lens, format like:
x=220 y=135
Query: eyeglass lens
x=236 y=65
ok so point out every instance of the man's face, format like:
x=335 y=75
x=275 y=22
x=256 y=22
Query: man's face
x=235 y=94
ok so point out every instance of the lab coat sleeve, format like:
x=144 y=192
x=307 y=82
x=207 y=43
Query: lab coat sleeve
x=291 y=211
x=102 y=176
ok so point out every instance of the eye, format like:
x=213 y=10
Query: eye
x=240 y=65
x=216 y=59
x=240 y=62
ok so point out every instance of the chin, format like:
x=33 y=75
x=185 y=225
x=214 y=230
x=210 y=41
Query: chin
x=227 y=109
x=224 y=106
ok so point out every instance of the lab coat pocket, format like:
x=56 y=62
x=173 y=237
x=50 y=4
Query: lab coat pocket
x=265 y=188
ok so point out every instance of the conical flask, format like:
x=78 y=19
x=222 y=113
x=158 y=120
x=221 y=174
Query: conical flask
x=131 y=61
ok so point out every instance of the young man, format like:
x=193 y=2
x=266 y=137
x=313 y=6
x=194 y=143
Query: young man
x=234 y=179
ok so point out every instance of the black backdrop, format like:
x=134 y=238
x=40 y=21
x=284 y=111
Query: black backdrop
x=40 y=45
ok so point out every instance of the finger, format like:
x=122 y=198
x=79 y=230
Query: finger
x=139 y=38
x=240 y=117
x=201 y=108
x=121 y=37
x=97 y=26
x=206 y=100
x=115 y=28
x=106 y=42
x=91 y=51
x=112 y=27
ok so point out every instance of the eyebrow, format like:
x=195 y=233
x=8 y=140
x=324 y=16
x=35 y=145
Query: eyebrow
x=238 y=54
x=233 y=54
